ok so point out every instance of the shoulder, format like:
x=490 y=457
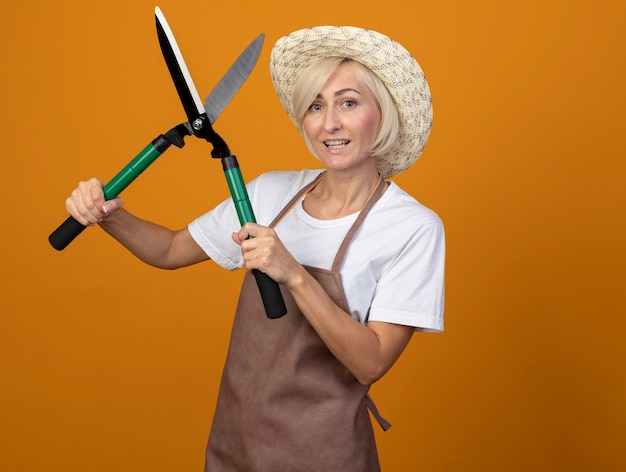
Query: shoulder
x=280 y=185
x=286 y=179
x=399 y=208
x=271 y=191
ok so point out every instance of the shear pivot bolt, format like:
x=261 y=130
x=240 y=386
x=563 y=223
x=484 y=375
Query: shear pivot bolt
x=197 y=124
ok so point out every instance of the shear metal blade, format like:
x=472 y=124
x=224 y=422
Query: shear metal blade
x=226 y=88
x=232 y=81
x=178 y=69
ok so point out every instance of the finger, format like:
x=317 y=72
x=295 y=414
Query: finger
x=91 y=199
x=77 y=207
x=255 y=259
x=70 y=206
x=244 y=232
x=81 y=204
x=252 y=230
x=96 y=193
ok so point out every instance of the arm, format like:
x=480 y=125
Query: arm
x=367 y=351
x=153 y=244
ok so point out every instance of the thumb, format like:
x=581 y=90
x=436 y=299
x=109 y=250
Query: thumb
x=112 y=205
x=235 y=237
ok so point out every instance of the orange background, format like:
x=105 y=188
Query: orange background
x=109 y=365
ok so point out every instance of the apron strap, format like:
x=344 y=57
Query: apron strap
x=369 y=204
x=374 y=197
x=306 y=189
x=372 y=408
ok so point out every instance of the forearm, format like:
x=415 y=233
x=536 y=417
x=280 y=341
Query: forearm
x=365 y=351
x=153 y=244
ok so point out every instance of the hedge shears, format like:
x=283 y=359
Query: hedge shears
x=200 y=118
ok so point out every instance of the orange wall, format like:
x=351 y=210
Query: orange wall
x=107 y=364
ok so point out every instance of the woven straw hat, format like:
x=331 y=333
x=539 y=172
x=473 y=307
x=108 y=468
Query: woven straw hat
x=395 y=66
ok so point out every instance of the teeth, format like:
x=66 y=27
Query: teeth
x=336 y=144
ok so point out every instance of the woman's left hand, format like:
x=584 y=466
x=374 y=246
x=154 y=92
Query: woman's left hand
x=262 y=249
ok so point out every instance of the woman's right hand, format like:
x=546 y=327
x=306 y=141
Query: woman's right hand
x=87 y=204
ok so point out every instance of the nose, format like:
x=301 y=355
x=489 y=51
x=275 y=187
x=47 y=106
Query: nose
x=332 y=121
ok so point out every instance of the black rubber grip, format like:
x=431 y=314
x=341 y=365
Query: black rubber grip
x=270 y=293
x=65 y=233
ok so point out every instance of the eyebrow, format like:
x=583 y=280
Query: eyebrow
x=341 y=92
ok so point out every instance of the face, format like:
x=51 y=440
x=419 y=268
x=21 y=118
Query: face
x=342 y=122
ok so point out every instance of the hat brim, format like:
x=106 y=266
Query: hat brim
x=391 y=62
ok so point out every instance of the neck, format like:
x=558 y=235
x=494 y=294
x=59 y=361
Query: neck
x=339 y=194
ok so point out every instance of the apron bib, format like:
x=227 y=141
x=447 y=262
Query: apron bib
x=286 y=404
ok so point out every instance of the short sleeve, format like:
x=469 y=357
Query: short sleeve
x=268 y=194
x=411 y=289
x=212 y=231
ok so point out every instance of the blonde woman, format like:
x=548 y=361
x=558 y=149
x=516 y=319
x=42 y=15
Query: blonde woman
x=360 y=262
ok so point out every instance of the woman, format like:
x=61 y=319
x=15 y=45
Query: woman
x=360 y=262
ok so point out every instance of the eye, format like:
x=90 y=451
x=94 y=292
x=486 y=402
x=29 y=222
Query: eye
x=315 y=107
x=349 y=103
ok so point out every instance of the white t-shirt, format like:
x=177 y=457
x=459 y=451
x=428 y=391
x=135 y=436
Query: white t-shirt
x=393 y=270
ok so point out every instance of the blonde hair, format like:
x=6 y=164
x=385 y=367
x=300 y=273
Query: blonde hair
x=311 y=81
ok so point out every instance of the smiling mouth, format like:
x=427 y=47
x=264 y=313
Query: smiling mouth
x=336 y=144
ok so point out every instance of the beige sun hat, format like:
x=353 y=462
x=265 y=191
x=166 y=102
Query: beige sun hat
x=395 y=66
